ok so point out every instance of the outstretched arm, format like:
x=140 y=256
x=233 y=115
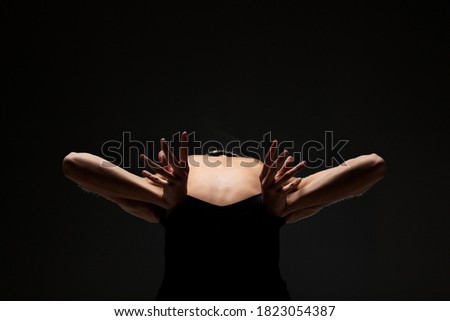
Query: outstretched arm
x=139 y=196
x=136 y=195
x=351 y=178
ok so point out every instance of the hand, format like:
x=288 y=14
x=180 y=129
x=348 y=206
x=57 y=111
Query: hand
x=172 y=174
x=277 y=180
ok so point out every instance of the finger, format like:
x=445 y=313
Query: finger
x=297 y=168
x=171 y=159
x=270 y=177
x=155 y=179
x=183 y=152
x=289 y=174
x=157 y=168
x=175 y=165
x=268 y=160
x=286 y=166
x=293 y=186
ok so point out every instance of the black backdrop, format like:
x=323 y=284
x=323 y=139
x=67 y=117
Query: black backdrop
x=373 y=73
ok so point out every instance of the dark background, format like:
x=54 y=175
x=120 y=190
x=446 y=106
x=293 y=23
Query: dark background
x=78 y=75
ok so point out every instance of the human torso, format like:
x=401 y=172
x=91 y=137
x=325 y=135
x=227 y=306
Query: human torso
x=221 y=243
x=222 y=180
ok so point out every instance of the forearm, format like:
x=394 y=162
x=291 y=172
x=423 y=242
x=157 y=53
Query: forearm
x=351 y=178
x=106 y=179
x=146 y=211
x=302 y=213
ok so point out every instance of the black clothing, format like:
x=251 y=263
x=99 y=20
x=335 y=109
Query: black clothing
x=222 y=252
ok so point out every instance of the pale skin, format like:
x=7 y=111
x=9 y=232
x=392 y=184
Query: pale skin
x=222 y=180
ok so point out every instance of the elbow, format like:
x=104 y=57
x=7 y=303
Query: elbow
x=376 y=166
x=70 y=164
